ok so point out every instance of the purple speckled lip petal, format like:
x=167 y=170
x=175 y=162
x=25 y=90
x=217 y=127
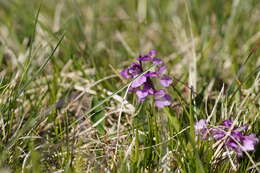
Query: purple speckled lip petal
x=138 y=82
x=141 y=94
x=166 y=81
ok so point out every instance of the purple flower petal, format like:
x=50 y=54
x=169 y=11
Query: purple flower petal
x=227 y=123
x=236 y=135
x=166 y=81
x=242 y=128
x=144 y=58
x=124 y=73
x=160 y=93
x=199 y=125
x=232 y=145
x=162 y=99
x=151 y=74
x=138 y=82
x=161 y=69
x=135 y=69
x=249 y=142
x=148 y=87
x=217 y=133
x=141 y=94
x=152 y=53
x=157 y=61
x=201 y=129
x=166 y=100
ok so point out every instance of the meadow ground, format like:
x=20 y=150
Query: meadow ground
x=64 y=106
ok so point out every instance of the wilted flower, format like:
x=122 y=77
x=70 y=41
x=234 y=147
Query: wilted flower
x=143 y=86
x=234 y=139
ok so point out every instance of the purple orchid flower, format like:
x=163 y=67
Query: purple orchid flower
x=236 y=141
x=143 y=85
